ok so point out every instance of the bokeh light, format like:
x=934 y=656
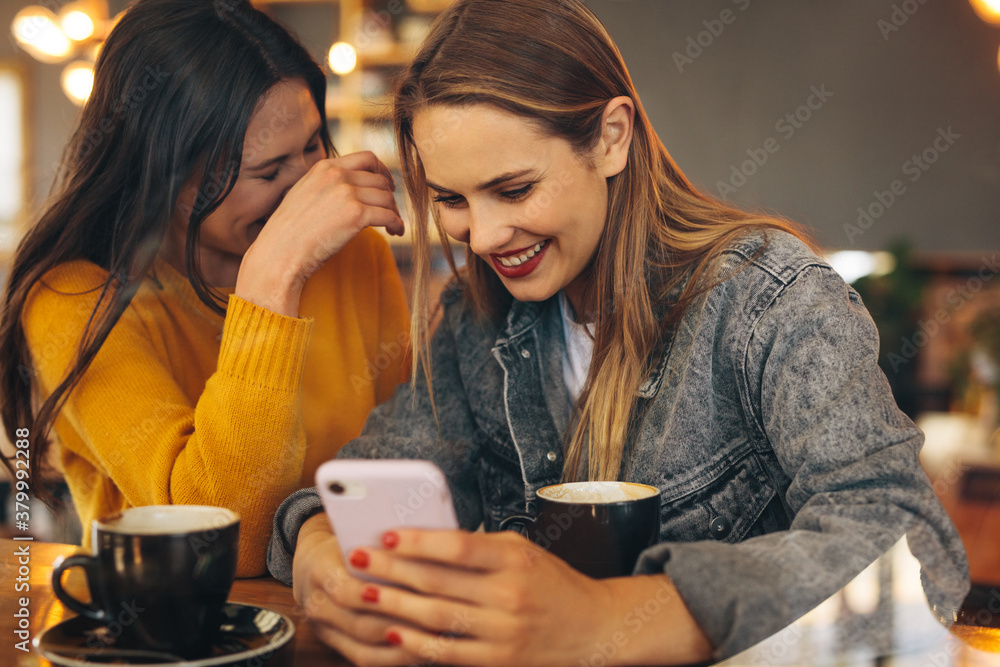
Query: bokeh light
x=343 y=58
x=78 y=81
x=37 y=32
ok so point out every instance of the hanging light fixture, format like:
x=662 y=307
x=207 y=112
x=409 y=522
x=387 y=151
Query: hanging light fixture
x=342 y=58
x=79 y=29
x=37 y=31
x=988 y=10
x=84 y=19
x=77 y=25
x=77 y=81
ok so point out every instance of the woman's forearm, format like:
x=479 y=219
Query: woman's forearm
x=653 y=625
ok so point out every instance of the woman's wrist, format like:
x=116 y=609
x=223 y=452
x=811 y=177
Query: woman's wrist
x=316 y=526
x=314 y=531
x=272 y=282
x=653 y=625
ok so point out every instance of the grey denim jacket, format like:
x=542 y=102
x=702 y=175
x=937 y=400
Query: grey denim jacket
x=784 y=465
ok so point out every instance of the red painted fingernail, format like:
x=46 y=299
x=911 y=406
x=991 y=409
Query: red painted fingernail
x=359 y=559
x=369 y=594
x=390 y=540
x=393 y=638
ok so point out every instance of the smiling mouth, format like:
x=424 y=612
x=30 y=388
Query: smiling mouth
x=522 y=257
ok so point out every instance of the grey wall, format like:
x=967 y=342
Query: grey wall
x=891 y=93
x=889 y=99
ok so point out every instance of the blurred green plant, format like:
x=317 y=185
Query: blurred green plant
x=894 y=302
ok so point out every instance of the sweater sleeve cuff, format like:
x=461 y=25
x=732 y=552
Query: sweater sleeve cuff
x=289 y=518
x=264 y=347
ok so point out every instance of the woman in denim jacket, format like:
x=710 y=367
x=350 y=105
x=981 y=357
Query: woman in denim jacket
x=612 y=323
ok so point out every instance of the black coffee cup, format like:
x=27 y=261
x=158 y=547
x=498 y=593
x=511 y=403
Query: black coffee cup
x=599 y=528
x=159 y=577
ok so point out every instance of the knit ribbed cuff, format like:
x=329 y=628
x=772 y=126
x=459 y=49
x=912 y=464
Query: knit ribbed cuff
x=293 y=512
x=263 y=347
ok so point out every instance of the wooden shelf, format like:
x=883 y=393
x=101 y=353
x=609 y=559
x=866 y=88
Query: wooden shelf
x=358 y=102
x=379 y=110
x=396 y=56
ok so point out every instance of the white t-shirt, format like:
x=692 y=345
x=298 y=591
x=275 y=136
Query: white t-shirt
x=579 y=349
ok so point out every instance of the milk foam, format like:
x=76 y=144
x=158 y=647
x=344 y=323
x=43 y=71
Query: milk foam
x=597 y=492
x=168 y=519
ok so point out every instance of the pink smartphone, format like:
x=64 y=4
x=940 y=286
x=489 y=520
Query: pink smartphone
x=364 y=498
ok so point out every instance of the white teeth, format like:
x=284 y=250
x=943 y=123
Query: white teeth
x=515 y=260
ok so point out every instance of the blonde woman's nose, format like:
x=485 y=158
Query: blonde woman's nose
x=489 y=233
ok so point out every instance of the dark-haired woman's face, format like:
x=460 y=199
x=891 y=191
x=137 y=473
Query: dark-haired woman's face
x=281 y=144
x=526 y=203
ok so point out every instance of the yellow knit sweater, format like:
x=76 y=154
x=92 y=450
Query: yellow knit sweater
x=184 y=406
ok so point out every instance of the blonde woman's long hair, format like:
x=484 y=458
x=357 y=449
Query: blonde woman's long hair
x=553 y=63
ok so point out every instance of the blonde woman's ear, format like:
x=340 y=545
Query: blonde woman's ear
x=616 y=136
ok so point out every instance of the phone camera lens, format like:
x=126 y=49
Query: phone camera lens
x=337 y=488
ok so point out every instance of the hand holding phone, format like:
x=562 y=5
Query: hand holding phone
x=365 y=498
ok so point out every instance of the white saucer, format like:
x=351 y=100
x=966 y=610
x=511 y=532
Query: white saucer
x=247 y=632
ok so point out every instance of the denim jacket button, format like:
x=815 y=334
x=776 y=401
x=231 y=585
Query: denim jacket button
x=551 y=456
x=720 y=527
x=526 y=354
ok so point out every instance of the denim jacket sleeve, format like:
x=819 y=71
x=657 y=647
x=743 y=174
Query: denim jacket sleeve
x=817 y=398
x=405 y=427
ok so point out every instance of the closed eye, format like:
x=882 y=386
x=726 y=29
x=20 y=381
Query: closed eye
x=519 y=193
x=450 y=201
x=516 y=195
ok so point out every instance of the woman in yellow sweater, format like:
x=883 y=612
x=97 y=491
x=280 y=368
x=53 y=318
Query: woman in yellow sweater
x=201 y=314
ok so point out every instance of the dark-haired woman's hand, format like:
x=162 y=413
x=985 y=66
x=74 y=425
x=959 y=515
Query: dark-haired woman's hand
x=320 y=214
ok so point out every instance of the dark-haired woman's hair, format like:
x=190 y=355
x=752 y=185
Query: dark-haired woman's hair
x=175 y=86
x=554 y=64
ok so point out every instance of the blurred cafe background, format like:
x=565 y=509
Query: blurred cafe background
x=876 y=123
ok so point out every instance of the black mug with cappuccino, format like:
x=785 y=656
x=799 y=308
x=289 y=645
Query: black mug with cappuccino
x=159 y=577
x=599 y=528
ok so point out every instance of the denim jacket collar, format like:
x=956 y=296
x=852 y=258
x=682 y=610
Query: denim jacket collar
x=525 y=317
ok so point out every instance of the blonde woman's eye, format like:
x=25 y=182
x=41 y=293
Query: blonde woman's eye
x=313 y=148
x=519 y=193
x=453 y=201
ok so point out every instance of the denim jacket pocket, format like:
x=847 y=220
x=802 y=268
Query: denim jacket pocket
x=726 y=504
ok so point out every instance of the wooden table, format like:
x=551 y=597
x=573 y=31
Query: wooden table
x=978 y=523
x=45 y=610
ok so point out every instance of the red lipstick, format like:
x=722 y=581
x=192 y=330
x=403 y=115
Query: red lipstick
x=525 y=267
